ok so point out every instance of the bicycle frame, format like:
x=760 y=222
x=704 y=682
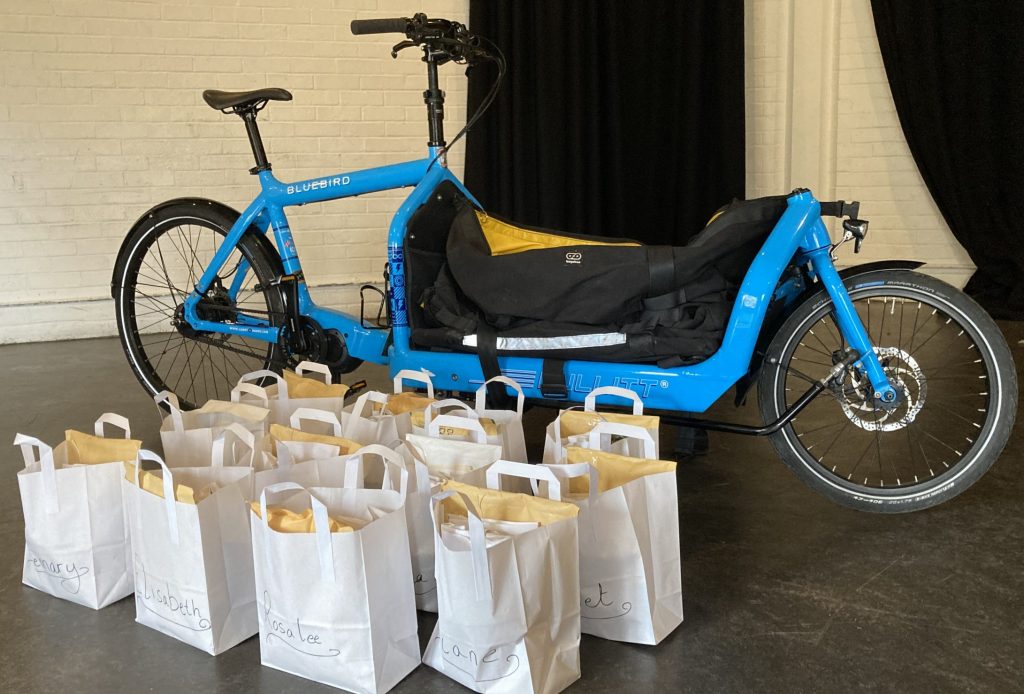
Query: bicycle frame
x=799 y=235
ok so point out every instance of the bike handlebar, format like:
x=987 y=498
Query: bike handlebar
x=392 y=25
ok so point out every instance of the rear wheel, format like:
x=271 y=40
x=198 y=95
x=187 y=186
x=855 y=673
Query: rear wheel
x=160 y=264
x=944 y=355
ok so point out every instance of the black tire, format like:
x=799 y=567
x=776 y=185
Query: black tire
x=963 y=435
x=158 y=265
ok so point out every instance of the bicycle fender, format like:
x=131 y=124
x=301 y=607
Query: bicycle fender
x=772 y=323
x=262 y=240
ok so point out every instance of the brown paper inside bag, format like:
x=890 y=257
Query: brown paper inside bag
x=575 y=422
x=279 y=432
x=302 y=387
x=284 y=520
x=507 y=506
x=490 y=428
x=154 y=484
x=400 y=403
x=86 y=449
x=248 y=413
x=613 y=470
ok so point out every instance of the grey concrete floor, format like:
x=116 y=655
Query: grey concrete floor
x=783 y=591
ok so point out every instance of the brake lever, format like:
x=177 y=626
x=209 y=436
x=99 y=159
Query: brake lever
x=401 y=46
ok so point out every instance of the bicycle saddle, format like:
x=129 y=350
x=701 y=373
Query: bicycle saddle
x=242 y=100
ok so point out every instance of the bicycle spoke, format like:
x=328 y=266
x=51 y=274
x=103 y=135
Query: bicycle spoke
x=853 y=436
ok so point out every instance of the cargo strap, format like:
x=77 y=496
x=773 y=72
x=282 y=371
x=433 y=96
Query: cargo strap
x=840 y=208
x=487 y=352
x=552 y=379
x=669 y=309
x=661 y=267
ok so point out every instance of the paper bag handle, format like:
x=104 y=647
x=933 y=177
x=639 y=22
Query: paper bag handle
x=390 y=459
x=46 y=468
x=282 y=385
x=590 y=402
x=628 y=431
x=314 y=367
x=477 y=540
x=284 y=457
x=449 y=404
x=173 y=406
x=481 y=394
x=242 y=436
x=324 y=547
x=114 y=420
x=369 y=396
x=308 y=413
x=250 y=389
x=420 y=468
x=456 y=422
x=170 y=502
x=567 y=471
x=559 y=448
x=418 y=376
x=541 y=473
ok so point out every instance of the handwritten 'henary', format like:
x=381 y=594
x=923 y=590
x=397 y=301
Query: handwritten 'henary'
x=68 y=573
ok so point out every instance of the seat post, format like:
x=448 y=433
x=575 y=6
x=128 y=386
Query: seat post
x=255 y=141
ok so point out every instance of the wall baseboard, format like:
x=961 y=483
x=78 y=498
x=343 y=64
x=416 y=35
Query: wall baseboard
x=75 y=320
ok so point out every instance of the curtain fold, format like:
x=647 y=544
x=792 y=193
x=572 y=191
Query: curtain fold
x=955 y=70
x=616 y=118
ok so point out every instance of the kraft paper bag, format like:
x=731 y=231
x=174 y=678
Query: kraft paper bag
x=77 y=545
x=572 y=425
x=187 y=436
x=289 y=391
x=192 y=552
x=630 y=567
x=337 y=607
x=508 y=586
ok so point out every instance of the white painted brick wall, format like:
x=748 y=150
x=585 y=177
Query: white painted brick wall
x=101 y=117
x=872 y=161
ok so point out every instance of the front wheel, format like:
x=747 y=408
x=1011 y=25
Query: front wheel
x=943 y=354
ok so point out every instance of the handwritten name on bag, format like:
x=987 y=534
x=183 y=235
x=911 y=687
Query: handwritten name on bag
x=159 y=598
x=493 y=665
x=290 y=633
x=594 y=605
x=69 y=574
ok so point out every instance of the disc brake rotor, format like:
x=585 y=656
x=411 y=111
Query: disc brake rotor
x=856 y=394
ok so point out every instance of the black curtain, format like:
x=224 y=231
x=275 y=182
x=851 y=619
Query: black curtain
x=956 y=70
x=616 y=118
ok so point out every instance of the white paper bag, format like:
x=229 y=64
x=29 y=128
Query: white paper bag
x=188 y=436
x=338 y=607
x=630 y=568
x=365 y=424
x=77 y=545
x=277 y=397
x=509 y=423
x=560 y=434
x=508 y=602
x=428 y=462
x=454 y=458
x=301 y=451
x=193 y=561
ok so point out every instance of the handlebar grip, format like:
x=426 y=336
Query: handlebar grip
x=393 y=25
